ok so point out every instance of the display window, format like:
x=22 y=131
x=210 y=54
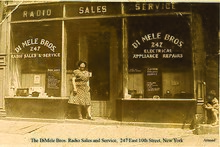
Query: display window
x=36 y=58
x=160 y=56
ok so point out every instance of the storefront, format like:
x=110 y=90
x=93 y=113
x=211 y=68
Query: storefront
x=141 y=56
x=43 y=55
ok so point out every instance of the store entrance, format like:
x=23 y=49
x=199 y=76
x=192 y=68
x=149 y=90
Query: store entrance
x=98 y=59
x=93 y=41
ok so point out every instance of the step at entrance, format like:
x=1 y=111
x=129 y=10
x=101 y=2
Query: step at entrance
x=2 y=113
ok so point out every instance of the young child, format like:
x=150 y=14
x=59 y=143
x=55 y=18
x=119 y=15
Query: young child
x=214 y=107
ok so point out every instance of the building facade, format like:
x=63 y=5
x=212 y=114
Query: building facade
x=148 y=60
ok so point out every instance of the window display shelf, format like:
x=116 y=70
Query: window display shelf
x=152 y=99
x=29 y=97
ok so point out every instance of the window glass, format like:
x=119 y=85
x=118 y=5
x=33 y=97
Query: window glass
x=36 y=57
x=160 y=52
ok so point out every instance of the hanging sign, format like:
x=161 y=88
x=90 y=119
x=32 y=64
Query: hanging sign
x=152 y=82
x=53 y=84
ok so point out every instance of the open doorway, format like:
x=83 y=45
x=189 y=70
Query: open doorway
x=93 y=41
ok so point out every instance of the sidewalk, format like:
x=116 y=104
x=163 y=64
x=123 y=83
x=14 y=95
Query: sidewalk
x=101 y=121
x=43 y=132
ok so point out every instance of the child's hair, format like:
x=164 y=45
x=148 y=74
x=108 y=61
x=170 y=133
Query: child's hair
x=215 y=100
x=80 y=62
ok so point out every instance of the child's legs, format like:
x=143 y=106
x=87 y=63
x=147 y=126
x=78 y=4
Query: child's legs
x=209 y=115
x=215 y=115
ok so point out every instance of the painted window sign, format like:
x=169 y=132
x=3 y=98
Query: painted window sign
x=36 y=48
x=155 y=46
x=49 y=11
x=37 y=12
x=92 y=9
x=159 y=39
x=140 y=8
x=36 y=41
x=155 y=6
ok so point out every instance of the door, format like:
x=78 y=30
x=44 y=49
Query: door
x=99 y=64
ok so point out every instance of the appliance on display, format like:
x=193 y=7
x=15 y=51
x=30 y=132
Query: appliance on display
x=22 y=92
x=37 y=92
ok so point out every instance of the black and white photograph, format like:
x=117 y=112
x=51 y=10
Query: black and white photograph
x=109 y=73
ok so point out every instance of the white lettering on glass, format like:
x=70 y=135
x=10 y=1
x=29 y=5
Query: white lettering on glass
x=37 y=13
x=34 y=45
x=154 y=6
x=92 y=9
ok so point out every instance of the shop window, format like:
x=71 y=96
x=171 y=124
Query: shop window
x=136 y=85
x=36 y=57
x=177 y=84
x=159 y=50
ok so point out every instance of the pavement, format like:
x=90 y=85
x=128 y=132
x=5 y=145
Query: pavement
x=99 y=132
